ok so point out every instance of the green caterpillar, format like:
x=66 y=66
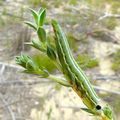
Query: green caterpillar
x=75 y=76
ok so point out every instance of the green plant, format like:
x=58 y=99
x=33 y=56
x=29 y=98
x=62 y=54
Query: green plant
x=61 y=56
x=48 y=64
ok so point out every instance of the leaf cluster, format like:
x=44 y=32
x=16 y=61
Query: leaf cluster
x=42 y=44
x=30 y=66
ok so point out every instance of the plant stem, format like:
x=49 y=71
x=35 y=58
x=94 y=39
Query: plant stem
x=59 y=80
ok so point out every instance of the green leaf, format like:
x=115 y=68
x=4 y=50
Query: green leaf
x=22 y=60
x=88 y=110
x=35 y=15
x=41 y=34
x=39 y=72
x=38 y=45
x=31 y=25
x=51 y=53
x=41 y=17
x=30 y=65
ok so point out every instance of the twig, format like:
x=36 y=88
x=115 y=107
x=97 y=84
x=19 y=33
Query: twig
x=10 y=65
x=2 y=70
x=107 y=15
x=6 y=105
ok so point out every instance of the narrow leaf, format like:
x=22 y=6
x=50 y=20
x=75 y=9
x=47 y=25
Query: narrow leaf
x=41 y=17
x=88 y=110
x=31 y=25
x=35 y=15
x=41 y=34
x=38 y=45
